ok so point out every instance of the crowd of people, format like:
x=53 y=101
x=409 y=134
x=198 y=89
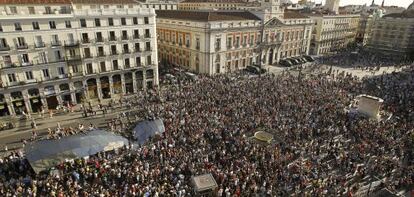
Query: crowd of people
x=318 y=150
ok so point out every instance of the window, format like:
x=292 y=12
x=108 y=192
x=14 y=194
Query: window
x=29 y=75
x=31 y=10
x=135 y=20
x=99 y=37
x=218 y=43
x=138 y=61
x=1 y=28
x=229 y=42
x=68 y=24
x=87 y=52
x=115 y=64
x=75 y=68
x=148 y=46
x=137 y=48
x=101 y=51
x=13 y=9
x=110 y=21
x=136 y=33
x=103 y=67
x=52 y=24
x=89 y=68
x=17 y=27
x=147 y=33
x=146 y=20
x=48 y=10
x=46 y=73
x=97 y=22
x=113 y=50
x=149 y=60
x=12 y=77
x=123 y=21
x=126 y=63
x=198 y=43
x=35 y=25
x=124 y=35
x=83 y=22
x=126 y=48
x=112 y=36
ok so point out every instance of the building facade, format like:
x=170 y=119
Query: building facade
x=159 y=5
x=208 y=42
x=364 y=29
x=286 y=37
x=393 y=34
x=333 y=32
x=212 y=42
x=217 y=5
x=58 y=52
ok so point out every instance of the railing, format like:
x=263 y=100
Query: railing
x=147 y=36
x=98 y=40
x=56 y=43
x=101 y=54
x=74 y=58
x=71 y=43
x=124 y=38
x=24 y=46
x=112 y=38
x=114 y=53
x=86 y=41
x=126 y=51
x=40 y=45
x=135 y=36
x=4 y=48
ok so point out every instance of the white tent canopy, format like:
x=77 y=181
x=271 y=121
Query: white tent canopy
x=45 y=154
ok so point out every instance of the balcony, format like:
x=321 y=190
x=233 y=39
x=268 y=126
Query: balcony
x=40 y=45
x=56 y=43
x=147 y=36
x=4 y=48
x=71 y=43
x=197 y=47
x=134 y=37
x=101 y=54
x=73 y=58
x=114 y=53
x=138 y=50
x=23 y=46
x=124 y=38
x=148 y=49
x=126 y=51
x=86 y=41
x=99 y=40
x=112 y=38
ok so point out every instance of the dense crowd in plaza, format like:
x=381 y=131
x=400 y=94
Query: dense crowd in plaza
x=318 y=149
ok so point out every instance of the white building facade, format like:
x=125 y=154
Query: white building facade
x=58 y=52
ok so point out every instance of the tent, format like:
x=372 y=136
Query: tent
x=146 y=129
x=45 y=154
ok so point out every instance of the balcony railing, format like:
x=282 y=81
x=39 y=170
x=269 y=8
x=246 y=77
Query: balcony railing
x=114 y=52
x=126 y=51
x=135 y=36
x=101 y=54
x=98 y=40
x=4 y=48
x=147 y=35
x=112 y=38
x=71 y=43
x=56 y=43
x=40 y=45
x=23 y=46
x=124 y=38
x=86 y=41
x=73 y=58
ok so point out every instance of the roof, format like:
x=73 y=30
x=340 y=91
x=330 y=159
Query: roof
x=206 y=16
x=292 y=15
x=29 y=2
x=103 y=1
x=213 y=1
x=405 y=14
x=144 y=130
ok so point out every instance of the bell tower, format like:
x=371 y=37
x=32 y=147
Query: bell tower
x=271 y=9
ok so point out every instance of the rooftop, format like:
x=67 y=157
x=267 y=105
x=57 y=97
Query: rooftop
x=293 y=15
x=103 y=1
x=405 y=14
x=213 y=1
x=48 y=2
x=206 y=16
x=30 y=2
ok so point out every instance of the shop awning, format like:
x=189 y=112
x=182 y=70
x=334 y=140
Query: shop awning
x=45 y=154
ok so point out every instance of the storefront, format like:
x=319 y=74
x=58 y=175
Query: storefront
x=129 y=85
x=116 y=79
x=51 y=98
x=106 y=90
x=4 y=110
x=35 y=101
